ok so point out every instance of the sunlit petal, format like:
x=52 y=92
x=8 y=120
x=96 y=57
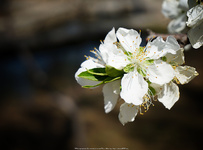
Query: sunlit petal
x=111 y=93
x=134 y=87
x=169 y=95
x=128 y=112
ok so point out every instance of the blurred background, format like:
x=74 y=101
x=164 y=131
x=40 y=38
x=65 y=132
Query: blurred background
x=42 y=44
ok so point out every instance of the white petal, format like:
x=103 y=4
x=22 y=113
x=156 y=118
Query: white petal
x=170 y=8
x=195 y=36
x=183 y=4
x=111 y=93
x=169 y=95
x=118 y=62
x=128 y=112
x=158 y=88
x=159 y=48
x=89 y=64
x=113 y=56
x=176 y=59
x=178 y=25
x=129 y=39
x=160 y=72
x=195 y=15
x=185 y=74
x=106 y=50
x=187 y=4
x=134 y=87
x=110 y=37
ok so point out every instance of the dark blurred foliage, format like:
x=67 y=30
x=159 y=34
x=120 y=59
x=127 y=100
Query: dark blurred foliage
x=42 y=44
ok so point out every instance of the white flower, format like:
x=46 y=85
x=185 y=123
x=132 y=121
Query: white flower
x=184 y=14
x=177 y=11
x=136 y=74
x=171 y=9
x=195 y=21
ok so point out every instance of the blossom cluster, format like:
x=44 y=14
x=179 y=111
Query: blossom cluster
x=187 y=17
x=134 y=74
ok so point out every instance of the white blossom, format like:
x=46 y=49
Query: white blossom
x=195 y=21
x=138 y=75
x=187 y=17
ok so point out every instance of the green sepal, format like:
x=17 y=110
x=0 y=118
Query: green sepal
x=164 y=58
x=98 y=71
x=141 y=71
x=113 y=72
x=128 y=68
x=88 y=75
x=107 y=80
x=152 y=91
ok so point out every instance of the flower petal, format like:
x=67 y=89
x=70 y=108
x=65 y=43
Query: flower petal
x=110 y=37
x=159 y=48
x=128 y=112
x=158 y=88
x=176 y=59
x=169 y=95
x=90 y=64
x=178 y=25
x=170 y=8
x=185 y=74
x=195 y=15
x=134 y=87
x=113 y=57
x=129 y=39
x=195 y=36
x=111 y=93
x=160 y=72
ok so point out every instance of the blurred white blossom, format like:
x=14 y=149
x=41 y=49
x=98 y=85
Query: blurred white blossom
x=187 y=17
x=195 y=21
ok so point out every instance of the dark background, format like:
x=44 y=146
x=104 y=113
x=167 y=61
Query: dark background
x=42 y=44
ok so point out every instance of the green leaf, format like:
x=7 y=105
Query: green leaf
x=151 y=91
x=90 y=76
x=113 y=72
x=98 y=71
x=111 y=79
